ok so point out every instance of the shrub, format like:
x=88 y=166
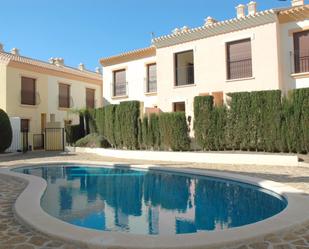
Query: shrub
x=144 y=141
x=203 y=106
x=5 y=131
x=117 y=126
x=72 y=134
x=174 y=131
x=128 y=115
x=154 y=131
x=109 y=124
x=100 y=121
x=93 y=140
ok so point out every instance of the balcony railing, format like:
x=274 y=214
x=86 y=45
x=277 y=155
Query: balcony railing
x=300 y=61
x=239 y=69
x=150 y=86
x=119 y=89
x=29 y=98
x=65 y=102
x=185 y=75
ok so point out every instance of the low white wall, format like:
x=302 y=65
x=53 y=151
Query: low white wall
x=194 y=157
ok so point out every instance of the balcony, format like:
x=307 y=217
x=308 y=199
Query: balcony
x=119 y=89
x=185 y=75
x=150 y=86
x=239 y=69
x=300 y=61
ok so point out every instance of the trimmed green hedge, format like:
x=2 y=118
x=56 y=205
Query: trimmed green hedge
x=109 y=122
x=174 y=131
x=100 y=120
x=5 y=131
x=255 y=121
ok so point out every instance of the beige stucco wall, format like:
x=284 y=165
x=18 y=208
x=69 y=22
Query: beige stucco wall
x=47 y=94
x=3 y=86
x=287 y=46
x=14 y=106
x=210 y=67
x=78 y=93
x=136 y=73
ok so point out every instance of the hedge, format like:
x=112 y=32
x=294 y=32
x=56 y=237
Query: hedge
x=255 y=121
x=100 y=121
x=174 y=131
x=154 y=132
x=5 y=131
x=109 y=121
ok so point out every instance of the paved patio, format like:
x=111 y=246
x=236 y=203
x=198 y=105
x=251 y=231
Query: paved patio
x=14 y=235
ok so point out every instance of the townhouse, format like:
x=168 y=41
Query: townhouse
x=256 y=50
x=39 y=93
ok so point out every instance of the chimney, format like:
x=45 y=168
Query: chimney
x=240 y=9
x=1 y=47
x=81 y=67
x=59 y=62
x=51 y=60
x=298 y=2
x=15 y=51
x=98 y=70
x=209 y=21
x=176 y=31
x=184 y=29
x=252 y=8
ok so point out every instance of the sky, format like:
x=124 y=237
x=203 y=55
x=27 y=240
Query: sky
x=83 y=31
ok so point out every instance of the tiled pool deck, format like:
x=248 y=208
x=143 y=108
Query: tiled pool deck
x=14 y=235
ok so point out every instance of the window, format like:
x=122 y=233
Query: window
x=184 y=68
x=151 y=78
x=179 y=107
x=301 y=51
x=24 y=125
x=64 y=95
x=120 y=84
x=239 y=59
x=27 y=91
x=90 y=96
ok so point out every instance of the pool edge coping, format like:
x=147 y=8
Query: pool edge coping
x=27 y=208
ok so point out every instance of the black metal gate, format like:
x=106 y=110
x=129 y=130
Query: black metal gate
x=38 y=141
x=25 y=141
x=54 y=139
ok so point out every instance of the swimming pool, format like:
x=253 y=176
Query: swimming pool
x=151 y=202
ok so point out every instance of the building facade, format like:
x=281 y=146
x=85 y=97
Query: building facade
x=131 y=76
x=255 y=51
x=41 y=92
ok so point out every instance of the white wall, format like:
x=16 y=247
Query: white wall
x=287 y=46
x=136 y=73
x=210 y=67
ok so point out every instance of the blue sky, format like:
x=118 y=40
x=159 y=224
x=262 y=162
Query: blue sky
x=86 y=30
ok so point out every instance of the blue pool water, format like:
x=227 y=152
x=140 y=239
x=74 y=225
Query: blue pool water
x=151 y=202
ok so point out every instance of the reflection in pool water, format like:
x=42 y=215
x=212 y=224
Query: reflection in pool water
x=151 y=202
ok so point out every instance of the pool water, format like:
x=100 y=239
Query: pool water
x=150 y=201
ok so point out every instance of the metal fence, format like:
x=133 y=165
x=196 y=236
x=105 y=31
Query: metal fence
x=301 y=61
x=239 y=69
